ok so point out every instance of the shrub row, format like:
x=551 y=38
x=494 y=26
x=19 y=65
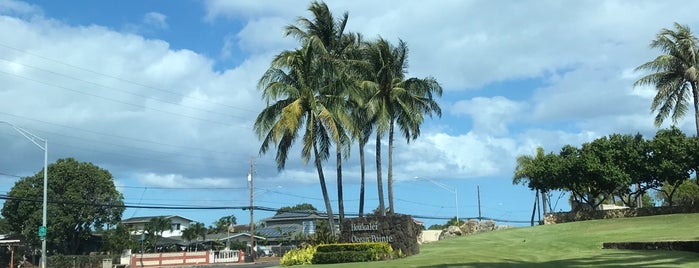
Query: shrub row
x=76 y=261
x=337 y=253
x=356 y=252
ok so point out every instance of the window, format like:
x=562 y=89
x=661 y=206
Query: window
x=309 y=227
x=176 y=226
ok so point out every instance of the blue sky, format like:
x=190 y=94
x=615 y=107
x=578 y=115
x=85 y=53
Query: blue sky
x=163 y=95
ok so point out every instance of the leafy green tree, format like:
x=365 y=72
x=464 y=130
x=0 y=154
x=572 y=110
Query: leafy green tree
x=396 y=101
x=672 y=159
x=222 y=224
x=674 y=74
x=118 y=239
x=154 y=229
x=686 y=194
x=297 y=207
x=82 y=197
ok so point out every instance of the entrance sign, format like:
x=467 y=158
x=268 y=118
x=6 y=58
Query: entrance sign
x=400 y=231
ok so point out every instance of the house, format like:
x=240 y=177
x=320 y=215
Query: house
x=287 y=226
x=138 y=224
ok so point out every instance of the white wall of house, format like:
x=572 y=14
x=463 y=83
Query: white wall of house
x=179 y=224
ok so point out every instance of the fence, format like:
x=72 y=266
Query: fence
x=185 y=258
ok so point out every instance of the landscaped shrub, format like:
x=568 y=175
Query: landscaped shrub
x=356 y=252
x=299 y=256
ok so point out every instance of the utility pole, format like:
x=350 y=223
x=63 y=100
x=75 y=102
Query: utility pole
x=478 y=188
x=252 y=222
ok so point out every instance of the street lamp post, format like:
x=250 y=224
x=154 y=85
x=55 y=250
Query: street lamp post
x=453 y=190
x=36 y=140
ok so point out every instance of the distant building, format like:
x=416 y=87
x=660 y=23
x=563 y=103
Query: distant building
x=138 y=224
x=287 y=226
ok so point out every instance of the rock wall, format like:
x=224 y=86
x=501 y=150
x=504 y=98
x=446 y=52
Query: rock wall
x=468 y=228
x=584 y=215
x=400 y=231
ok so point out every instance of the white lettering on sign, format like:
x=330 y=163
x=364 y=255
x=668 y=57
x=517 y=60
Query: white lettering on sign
x=371 y=237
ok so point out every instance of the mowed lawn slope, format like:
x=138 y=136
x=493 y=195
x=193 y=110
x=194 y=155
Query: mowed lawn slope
x=576 y=244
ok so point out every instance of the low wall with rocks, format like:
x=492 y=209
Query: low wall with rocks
x=584 y=215
x=470 y=227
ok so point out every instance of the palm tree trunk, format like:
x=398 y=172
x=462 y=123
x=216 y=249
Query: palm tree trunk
x=379 y=182
x=361 y=184
x=536 y=200
x=390 y=168
x=324 y=189
x=695 y=96
x=340 y=199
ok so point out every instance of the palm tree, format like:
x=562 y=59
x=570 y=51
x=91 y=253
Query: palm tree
x=397 y=101
x=294 y=103
x=197 y=229
x=189 y=235
x=155 y=228
x=525 y=171
x=331 y=44
x=675 y=75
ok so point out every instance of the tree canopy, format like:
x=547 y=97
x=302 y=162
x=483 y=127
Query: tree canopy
x=617 y=166
x=297 y=207
x=81 y=198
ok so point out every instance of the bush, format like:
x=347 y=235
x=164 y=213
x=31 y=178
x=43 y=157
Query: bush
x=356 y=252
x=300 y=256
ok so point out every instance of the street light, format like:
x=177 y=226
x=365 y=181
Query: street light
x=36 y=140
x=450 y=189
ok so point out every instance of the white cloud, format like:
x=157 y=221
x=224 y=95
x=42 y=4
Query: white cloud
x=179 y=181
x=13 y=7
x=155 y=20
x=490 y=115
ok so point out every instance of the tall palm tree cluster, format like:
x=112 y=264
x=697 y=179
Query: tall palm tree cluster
x=337 y=89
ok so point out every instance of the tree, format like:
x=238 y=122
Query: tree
x=526 y=171
x=222 y=224
x=188 y=235
x=397 y=101
x=82 y=197
x=197 y=229
x=297 y=207
x=333 y=50
x=118 y=239
x=295 y=102
x=686 y=194
x=675 y=75
x=672 y=160
x=154 y=229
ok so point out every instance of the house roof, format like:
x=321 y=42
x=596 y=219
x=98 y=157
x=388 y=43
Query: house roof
x=280 y=230
x=147 y=218
x=297 y=215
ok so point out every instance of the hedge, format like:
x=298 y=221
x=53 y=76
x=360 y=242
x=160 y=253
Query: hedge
x=356 y=252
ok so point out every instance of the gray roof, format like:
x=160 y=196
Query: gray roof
x=147 y=218
x=297 y=215
x=281 y=230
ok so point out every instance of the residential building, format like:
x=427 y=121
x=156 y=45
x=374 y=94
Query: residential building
x=287 y=226
x=138 y=224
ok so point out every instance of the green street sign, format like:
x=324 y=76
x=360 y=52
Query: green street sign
x=42 y=231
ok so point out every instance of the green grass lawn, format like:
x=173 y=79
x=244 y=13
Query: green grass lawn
x=576 y=244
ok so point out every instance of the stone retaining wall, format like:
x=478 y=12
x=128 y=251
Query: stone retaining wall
x=584 y=215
